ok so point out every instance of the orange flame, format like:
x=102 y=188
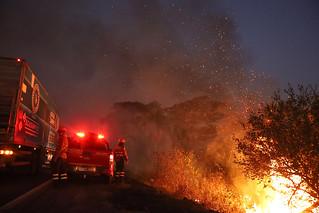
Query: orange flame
x=280 y=197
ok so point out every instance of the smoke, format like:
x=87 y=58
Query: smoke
x=91 y=54
x=201 y=125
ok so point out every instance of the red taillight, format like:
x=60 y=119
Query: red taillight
x=111 y=157
x=80 y=134
x=18 y=59
x=100 y=136
x=6 y=152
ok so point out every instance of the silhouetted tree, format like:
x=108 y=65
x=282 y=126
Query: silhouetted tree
x=282 y=138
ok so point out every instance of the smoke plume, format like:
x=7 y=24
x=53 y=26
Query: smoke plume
x=91 y=54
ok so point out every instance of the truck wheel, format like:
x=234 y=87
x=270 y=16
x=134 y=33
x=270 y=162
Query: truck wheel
x=34 y=166
x=9 y=169
x=36 y=162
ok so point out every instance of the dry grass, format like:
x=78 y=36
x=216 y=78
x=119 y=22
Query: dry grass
x=180 y=174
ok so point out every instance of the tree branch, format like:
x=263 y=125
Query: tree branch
x=297 y=188
x=312 y=207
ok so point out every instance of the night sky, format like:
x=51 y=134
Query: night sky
x=90 y=54
x=281 y=37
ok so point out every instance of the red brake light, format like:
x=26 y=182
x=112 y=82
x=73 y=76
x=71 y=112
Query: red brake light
x=80 y=134
x=100 y=136
x=18 y=59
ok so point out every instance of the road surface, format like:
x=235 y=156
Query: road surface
x=16 y=183
x=93 y=195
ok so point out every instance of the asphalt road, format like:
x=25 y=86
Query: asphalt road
x=18 y=182
x=94 y=195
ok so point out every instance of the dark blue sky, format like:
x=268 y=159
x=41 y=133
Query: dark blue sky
x=90 y=54
x=281 y=37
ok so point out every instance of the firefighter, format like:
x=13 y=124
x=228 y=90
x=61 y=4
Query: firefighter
x=121 y=158
x=59 y=164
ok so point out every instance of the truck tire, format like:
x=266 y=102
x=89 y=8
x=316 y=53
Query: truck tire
x=9 y=169
x=36 y=162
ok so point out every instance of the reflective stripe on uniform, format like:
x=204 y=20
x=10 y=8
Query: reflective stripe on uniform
x=64 y=176
x=119 y=174
x=55 y=176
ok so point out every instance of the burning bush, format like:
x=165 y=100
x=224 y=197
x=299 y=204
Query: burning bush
x=189 y=151
x=282 y=143
x=179 y=173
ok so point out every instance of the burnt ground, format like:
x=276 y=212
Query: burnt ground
x=94 y=195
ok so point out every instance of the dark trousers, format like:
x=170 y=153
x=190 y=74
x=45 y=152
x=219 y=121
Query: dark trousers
x=119 y=168
x=59 y=170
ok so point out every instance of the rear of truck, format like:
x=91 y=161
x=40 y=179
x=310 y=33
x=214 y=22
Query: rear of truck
x=28 y=120
x=89 y=154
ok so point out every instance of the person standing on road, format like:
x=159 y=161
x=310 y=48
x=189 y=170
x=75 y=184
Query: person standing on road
x=121 y=158
x=59 y=164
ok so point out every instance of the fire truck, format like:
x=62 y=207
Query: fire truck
x=89 y=154
x=28 y=118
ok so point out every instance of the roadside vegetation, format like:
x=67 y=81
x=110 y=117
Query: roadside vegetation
x=282 y=141
x=189 y=150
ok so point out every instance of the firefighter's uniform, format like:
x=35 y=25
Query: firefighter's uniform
x=121 y=157
x=59 y=164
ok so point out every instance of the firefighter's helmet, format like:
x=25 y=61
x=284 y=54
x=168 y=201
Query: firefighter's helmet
x=122 y=141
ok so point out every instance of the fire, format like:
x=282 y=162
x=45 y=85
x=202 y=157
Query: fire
x=180 y=175
x=279 y=196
